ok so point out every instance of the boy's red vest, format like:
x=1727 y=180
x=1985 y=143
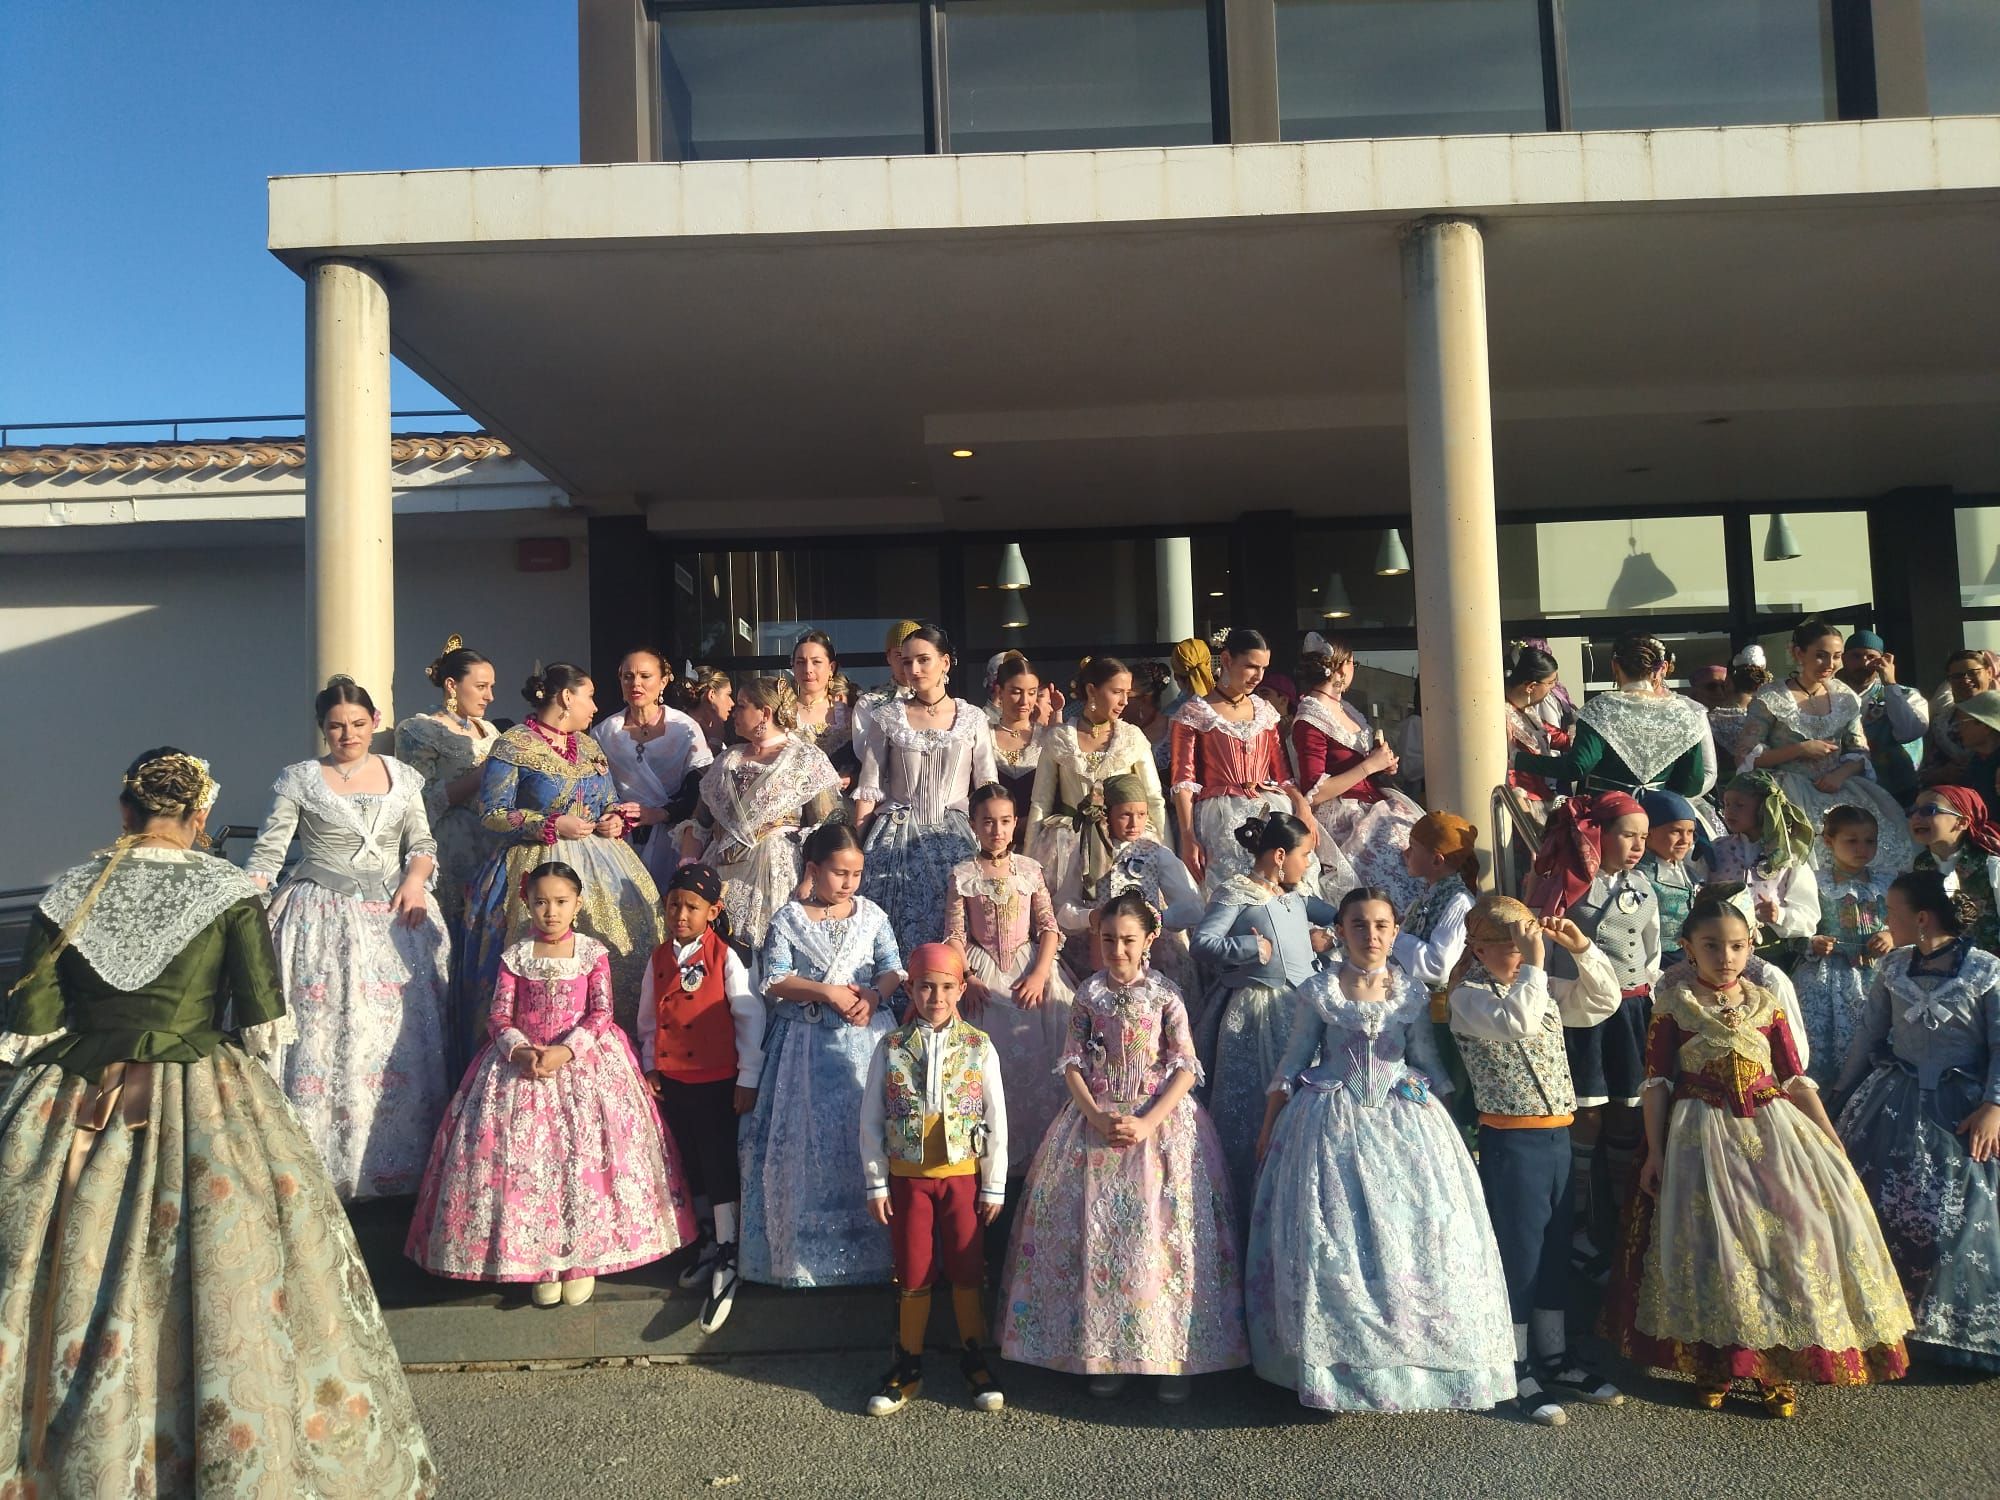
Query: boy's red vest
x=695 y=1039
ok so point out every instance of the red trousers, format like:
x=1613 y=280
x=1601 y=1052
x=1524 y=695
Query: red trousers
x=933 y=1222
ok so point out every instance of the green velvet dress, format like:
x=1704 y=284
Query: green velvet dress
x=182 y=1306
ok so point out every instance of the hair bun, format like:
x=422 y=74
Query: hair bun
x=340 y=679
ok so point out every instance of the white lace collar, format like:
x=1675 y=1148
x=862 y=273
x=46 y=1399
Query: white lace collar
x=152 y=907
x=1200 y=715
x=1023 y=876
x=1246 y=890
x=1335 y=1006
x=1843 y=707
x=1064 y=742
x=1337 y=723
x=968 y=724
x=1101 y=995
x=583 y=956
x=1645 y=730
x=304 y=785
x=1979 y=973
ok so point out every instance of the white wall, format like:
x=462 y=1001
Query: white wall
x=105 y=654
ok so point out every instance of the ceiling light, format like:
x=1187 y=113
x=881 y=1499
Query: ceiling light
x=961 y=453
x=1014 y=613
x=1336 y=605
x=1391 y=561
x=1779 y=543
x=1013 y=569
x=1215 y=593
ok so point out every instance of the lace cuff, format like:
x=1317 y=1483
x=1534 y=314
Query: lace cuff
x=14 y=1045
x=1185 y=1065
x=508 y=1040
x=1185 y=786
x=265 y=1038
x=1070 y=1059
x=869 y=794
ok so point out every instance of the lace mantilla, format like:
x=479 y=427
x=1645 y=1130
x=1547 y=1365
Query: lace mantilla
x=1369 y=1017
x=1528 y=734
x=1336 y=723
x=152 y=907
x=1843 y=708
x=1200 y=716
x=967 y=723
x=1649 y=733
x=583 y=957
x=1244 y=890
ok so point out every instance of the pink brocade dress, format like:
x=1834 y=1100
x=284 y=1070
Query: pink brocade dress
x=1124 y=1258
x=557 y=1178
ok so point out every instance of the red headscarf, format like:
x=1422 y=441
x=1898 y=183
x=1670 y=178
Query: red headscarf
x=936 y=958
x=1572 y=849
x=1969 y=805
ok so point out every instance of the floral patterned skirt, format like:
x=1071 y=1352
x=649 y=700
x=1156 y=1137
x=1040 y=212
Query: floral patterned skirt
x=1374 y=1282
x=1832 y=992
x=1028 y=1043
x=1760 y=1258
x=909 y=870
x=1124 y=1259
x=1939 y=1209
x=193 y=1317
x=1241 y=1043
x=367 y=1073
x=755 y=886
x=550 y=1179
x=1372 y=837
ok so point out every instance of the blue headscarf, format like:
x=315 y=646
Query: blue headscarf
x=1663 y=806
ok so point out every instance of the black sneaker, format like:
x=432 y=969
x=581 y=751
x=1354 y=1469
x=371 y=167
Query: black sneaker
x=1565 y=1376
x=722 y=1286
x=697 y=1270
x=986 y=1392
x=1532 y=1401
x=903 y=1382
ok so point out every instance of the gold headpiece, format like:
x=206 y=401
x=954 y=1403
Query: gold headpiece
x=452 y=643
x=207 y=788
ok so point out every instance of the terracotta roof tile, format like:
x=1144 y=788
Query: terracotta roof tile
x=230 y=453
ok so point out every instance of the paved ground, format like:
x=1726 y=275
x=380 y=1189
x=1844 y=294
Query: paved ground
x=789 y=1426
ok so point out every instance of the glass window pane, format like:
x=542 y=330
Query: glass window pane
x=1040 y=75
x=1095 y=595
x=1962 y=56
x=1979 y=556
x=1408 y=67
x=1584 y=666
x=1831 y=571
x=1661 y=565
x=1642 y=64
x=1338 y=588
x=732 y=606
x=822 y=80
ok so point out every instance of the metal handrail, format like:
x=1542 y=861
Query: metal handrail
x=177 y=423
x=1510 y=807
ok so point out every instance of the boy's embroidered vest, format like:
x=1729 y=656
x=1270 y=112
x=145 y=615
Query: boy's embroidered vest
x=946 y=1145
x=696 y=1037
x=1674 y=892
x=1529 y=1076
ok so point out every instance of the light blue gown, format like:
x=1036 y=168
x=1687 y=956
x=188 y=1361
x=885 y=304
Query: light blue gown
x=1373 y=1279
x=805 y=1214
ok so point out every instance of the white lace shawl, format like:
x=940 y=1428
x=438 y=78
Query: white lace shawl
x=152 y=907
x=1336 y=723
x=1843 y=709
x=1024 y=877
x=1200 y=716
x=776 y=791
x=583 y=956
x=1647 y=731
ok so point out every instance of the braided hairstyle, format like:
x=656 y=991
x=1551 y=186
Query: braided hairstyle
x=775 y=696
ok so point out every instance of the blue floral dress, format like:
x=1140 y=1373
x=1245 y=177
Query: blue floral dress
x=805 y=1209
x=1373 y=1279
x=1833 y=989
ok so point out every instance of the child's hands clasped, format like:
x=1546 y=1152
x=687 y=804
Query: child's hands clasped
x=542 y=1062
x=1820 y=946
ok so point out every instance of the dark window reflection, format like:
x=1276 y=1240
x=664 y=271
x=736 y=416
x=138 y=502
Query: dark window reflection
x=1962 y=56
x=1641 y=64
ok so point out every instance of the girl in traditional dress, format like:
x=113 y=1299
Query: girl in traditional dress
x=547 y=791
x=1749 y=674
x=1531 y=678
x=920 y=759
x=1374 y=1282
x=1000 y=917
x=1922 y=1122
x=1138 y=862
x=183 y=1308
x=447 y=749
x=1768 y=847
x=754 y=800
x=1262 y=937
x=363 y=951
x=831 y=967
x=1832 y=980
x=656 y=754
x=1444 y=855
x=1229 y=763
x=1066 y=819
x=825 y=719
x=1340 y=765
x=1124 y=1258
x=1637 y=737
x=1015 y=693
x=549 y=1168
x=1956 y=839
x=1751 y=1251
x=1807 y=733
x=1146 y=711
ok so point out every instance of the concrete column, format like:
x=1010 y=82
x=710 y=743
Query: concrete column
x=1452 y=530
x=1173 y=587
x=350 y=541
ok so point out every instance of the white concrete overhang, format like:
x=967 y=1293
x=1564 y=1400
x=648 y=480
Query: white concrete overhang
x=1176 y=335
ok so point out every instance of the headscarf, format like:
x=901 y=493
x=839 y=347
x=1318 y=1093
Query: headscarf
x=1446 y=835
x=1783 y=832
x=936 y=958
x=1193 y=662
x=1123 y=788
x=1663 y=806
x=899 y=632
x=1572 y=849
x=701 y=879
x=1969 y=805
x=1284 y=687
x=1715 y=673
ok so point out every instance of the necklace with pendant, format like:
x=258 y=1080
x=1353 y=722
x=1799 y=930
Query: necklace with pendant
x=347 y=775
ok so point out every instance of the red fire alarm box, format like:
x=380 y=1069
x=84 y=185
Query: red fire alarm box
x=541 y=554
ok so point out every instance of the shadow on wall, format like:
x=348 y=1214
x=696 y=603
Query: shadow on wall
x=105 y=654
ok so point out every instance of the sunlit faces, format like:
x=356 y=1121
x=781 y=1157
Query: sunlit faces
x=751 y=721
x=1341 y=680
x=641 y=679
x=720 y=700
x=1854 y=846
x=993 y=824
x=1934 y=821
x=1967 y=674
x=1244 y=674
x=552 y=904
x=688 y=916
x=1017 y=697
x=1501 y=958
x=1368 y=932
x=473 y=691
x=349 y=728
x=1740 y=812
x=934 y=997
x=1671 y=842
x=1818 y=659
x=1535 y=691
x=1292 y=869
x=838 y=878
x=1622 y=844
x=1861 y=661
x=812 y=670
x=1425 y=863
x=1126 y=820
x=1720 y=949
x=925 y=668
x=1125 y=941
x=1979 y=738
x=899 y=667
x=1108 y=700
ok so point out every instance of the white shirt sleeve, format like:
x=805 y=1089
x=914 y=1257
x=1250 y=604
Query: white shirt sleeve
x=1908 y=714
x=993 y=1165
x=1430 y=961
x=1796 y=891
x=649 y=1021
x=874 y=1120
x=1478 y=1012
x=746 y=1010
x=1593 y=995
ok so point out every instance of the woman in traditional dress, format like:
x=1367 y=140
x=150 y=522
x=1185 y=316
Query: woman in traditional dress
x=1807 y=732
x=1018 y=733
x=920 y=759
x=708 y=697
x=656 y=754
x=1531 y=678
x=1229 y=763
x=1067 y=831
x=447 y=749
x=754 y=801
x=182 y=1306
x=1636 y=738
x=1340 y=765
x=363 y=952
x=548 y=792
x=825 y=718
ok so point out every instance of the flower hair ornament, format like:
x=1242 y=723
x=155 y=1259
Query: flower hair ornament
x=1316 y=644
x=1751 y=655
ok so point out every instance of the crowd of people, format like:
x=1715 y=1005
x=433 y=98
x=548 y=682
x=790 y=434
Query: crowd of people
x=1152 y=1006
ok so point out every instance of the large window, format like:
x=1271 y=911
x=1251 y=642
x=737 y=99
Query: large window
x=1339 y=586
x=1091 y=594
x=1660 y=565
x=1962 y=56
x=1829 y=567
x=1647 y=64
x=785 y=81
x=1031 y=75
x=1408 y=67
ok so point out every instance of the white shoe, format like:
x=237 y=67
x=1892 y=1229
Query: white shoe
x=576 y=1293
x=546 y=1293
x=721 y=1291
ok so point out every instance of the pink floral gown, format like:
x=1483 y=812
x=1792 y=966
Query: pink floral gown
x=1124 y=1258
x=556 y=1178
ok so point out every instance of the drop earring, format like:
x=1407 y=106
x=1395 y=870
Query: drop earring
x=451 y=699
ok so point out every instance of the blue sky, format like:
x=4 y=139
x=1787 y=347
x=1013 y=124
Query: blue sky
x=134 y=144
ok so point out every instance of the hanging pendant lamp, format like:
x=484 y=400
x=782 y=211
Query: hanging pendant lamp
x=1014 y=613
x=1391 y=561
x=1013 y=568
x=1334 y=603
x=1779 y=543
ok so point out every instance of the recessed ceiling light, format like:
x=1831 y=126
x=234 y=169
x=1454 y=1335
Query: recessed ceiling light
x=1215 y=593
x=961 y=453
